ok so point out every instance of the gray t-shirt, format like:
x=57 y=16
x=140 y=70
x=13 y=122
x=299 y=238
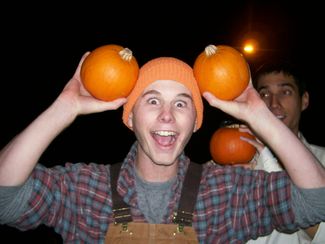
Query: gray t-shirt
x=153 y=198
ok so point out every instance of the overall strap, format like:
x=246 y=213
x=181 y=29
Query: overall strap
x=121 y=210
x=191 y=184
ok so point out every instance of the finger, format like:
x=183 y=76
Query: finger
x=253 y=142
x=93 y=105
x=77 y=72
x=214 y=101
x=244 y=128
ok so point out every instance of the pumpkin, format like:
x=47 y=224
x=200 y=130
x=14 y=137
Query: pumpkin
x=221 y=70
x=109 y=72
x=226 y=147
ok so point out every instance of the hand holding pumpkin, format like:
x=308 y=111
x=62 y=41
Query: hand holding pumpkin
x=226 y=147
x=76 y=100
x=258 y=144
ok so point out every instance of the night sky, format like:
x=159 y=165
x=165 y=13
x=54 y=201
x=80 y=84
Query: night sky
x=42 y=45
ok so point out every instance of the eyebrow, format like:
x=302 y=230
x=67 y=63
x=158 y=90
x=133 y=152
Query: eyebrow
x=279 y=85
x=155 y=92
x=150 y=92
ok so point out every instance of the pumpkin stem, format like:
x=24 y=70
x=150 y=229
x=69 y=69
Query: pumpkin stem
x=210 y=50
x=126 y=54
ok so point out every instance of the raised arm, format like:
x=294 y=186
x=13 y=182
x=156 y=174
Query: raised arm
x=300 y=163
x=20 y=155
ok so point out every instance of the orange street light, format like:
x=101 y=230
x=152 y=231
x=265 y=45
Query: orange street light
x=250 y=46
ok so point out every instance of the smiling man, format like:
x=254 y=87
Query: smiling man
x=284 y=91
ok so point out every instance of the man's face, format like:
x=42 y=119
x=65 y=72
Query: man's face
x=163 y=119
x=280 y=93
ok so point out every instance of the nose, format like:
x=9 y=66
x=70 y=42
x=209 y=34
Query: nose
x=274 y=101
x=166 y=114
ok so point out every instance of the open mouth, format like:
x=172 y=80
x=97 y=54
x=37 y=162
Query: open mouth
x=279 y=114
x=280 y=117
x=164 y=138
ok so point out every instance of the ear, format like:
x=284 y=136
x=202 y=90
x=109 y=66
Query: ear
x=304 y=101
x=130 y=120
x=195 y=127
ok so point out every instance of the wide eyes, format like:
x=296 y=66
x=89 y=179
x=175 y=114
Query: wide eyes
x=180 y=104
x=156 y=101
x=153 y=101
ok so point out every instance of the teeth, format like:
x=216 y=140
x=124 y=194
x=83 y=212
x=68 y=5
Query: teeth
x=165 y=133
x=280 y=116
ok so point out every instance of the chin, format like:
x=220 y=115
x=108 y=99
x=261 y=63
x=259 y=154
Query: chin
x=166 y=164
x=164 y=161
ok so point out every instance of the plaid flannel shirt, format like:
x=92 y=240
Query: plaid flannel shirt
x=233 y=204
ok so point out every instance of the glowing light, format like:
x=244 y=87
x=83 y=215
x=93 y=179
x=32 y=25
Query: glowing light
x=250 y=46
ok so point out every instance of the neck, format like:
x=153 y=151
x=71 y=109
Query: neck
x=152 y=172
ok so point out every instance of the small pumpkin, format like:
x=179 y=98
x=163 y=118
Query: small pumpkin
x=109 y=72
x=221 y=70
x=226 y=147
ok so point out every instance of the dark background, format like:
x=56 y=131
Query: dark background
x=42 y=45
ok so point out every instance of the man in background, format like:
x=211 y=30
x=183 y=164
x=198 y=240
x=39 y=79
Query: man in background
x=284 y=92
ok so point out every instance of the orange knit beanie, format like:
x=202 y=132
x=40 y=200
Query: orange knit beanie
x=165 y=68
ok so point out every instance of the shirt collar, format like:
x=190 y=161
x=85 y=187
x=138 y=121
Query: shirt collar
x=126 y=181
